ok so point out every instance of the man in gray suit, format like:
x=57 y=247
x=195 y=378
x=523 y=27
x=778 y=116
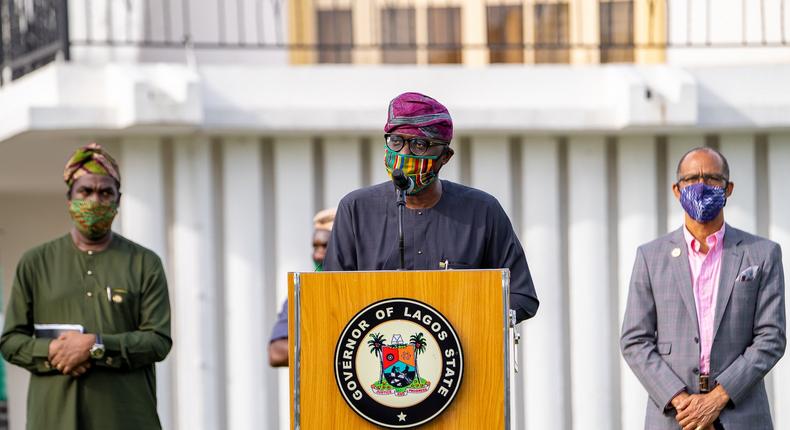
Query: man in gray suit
x=705 y=318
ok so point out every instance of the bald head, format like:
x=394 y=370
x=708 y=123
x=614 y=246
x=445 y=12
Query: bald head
x=702 y=154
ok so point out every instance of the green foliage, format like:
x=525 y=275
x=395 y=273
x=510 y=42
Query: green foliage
x=419 y=342
x=376 y=343
x=382 y=385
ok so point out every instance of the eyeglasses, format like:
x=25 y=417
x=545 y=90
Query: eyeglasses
x=417 y=145
x=708 y=179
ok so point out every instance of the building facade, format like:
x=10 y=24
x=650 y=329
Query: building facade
x=232 y=131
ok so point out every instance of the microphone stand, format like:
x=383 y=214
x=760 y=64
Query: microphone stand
x=402 y=248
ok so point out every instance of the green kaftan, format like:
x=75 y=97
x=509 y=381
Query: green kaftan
x=119 y=293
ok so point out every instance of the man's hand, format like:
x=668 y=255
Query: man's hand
x=70 y=353
x=54 y=347
x=278 y=353
x=699 y=411
x=81 y=369
x=679 y=399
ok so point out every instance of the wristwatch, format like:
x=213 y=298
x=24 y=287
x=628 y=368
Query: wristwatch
x=97 y=350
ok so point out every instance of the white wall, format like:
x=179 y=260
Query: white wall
x=580 y=142
x=348 y=100
x=578 y=196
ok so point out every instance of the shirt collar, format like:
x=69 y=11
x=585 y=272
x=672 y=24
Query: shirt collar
x=713 y=240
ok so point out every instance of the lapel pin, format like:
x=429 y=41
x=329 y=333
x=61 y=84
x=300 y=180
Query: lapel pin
x=676 y=252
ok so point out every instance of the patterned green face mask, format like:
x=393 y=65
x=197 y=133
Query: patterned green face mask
x=93 y=219
x=417 y=167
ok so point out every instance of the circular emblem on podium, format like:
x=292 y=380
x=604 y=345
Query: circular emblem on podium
x=398 y=363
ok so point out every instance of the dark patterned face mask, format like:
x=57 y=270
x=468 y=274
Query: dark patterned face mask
x=702 y=202
x=92 y=218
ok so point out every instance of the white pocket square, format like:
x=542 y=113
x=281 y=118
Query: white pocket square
x=748 y=274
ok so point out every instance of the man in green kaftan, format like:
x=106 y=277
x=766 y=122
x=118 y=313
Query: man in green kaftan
x=89 y=314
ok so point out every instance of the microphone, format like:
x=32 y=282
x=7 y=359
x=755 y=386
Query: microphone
x=401 y=181
x=404 y=184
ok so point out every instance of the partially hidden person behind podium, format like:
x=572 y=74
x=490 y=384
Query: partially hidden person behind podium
x=446 y=225
x=278 y=342
x=89 y=314
x=705 y=316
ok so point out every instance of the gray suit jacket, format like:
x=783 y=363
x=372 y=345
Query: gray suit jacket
x=660 y=335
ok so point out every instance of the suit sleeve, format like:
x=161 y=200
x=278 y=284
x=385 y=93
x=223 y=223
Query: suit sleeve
x=17 y=343
x=341 y=252
x=769 y=341
x=638 y=339
x=151 y=342
x=280 y=329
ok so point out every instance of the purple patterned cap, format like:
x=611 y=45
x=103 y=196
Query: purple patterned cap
x=419 y=115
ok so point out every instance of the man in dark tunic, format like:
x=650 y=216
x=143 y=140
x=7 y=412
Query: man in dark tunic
x=446 y=225
x=89 y=314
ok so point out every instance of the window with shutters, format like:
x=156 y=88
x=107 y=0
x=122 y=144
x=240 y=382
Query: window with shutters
x=444 y=35
x=505 y=34
x=398 y=36
x=552 y=33
x=617 y=31
x=335 y=38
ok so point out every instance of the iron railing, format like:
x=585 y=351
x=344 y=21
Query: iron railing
x=32 y=34
x=35 y=32
x=236 y=30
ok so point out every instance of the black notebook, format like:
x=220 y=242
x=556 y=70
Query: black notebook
x=53 y=331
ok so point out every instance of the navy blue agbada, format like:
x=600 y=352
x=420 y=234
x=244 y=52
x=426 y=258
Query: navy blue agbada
x=467 y=228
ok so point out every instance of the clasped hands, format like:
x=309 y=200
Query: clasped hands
x=70 y=353
x=699 y=411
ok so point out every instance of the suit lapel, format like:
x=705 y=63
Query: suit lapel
x=681 y=274
x=730 y=264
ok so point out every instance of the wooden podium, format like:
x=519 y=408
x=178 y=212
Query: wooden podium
x=357 y=340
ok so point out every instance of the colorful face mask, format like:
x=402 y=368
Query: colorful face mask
x=702 y=202
x=93 y=219
x=417 y=167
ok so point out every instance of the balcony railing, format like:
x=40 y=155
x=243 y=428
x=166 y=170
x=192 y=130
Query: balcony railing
x=32 y=34
x=36 y=32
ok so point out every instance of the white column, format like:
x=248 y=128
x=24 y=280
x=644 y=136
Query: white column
x=741 y=210
x=143 y=205
x=195 y=271
x=592 y=339
x=251 y=398
x=638 y=223
x=294 y=215
x=677 y=146
x=490 y=165
x=779 y=231
x=543 y=372
x=342 y=169
x=452 y=170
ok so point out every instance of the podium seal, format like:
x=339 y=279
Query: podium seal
x=398 y=363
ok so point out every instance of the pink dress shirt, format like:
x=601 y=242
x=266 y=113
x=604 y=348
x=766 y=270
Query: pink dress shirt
x=705 y=271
